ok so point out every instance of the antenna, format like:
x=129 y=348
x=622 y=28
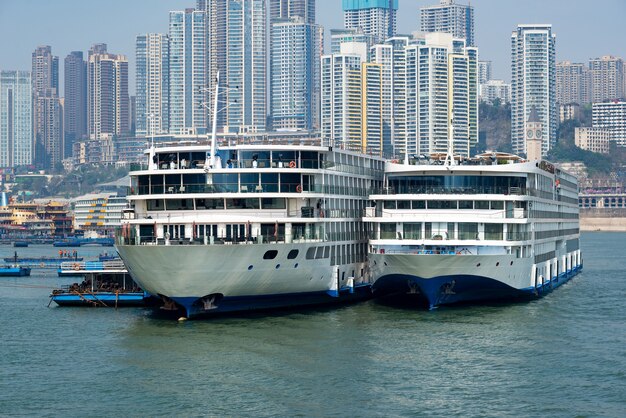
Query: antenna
x=214 y=125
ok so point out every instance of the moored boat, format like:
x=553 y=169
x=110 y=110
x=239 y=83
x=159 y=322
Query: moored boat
x=14 y=271
x=493 y=227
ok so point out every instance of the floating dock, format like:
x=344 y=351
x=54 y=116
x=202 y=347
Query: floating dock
x=106 y=284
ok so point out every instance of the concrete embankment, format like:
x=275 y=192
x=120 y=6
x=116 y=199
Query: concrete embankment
x=603 y=220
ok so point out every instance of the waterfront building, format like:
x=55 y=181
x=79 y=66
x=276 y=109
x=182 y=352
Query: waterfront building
x=592 y=139
x=152 y=84
x=46 y=107
x=607 y=78
x=391 y=56
x=495 y=89
x=371 y=110
x=99 y=212
x=446 y=69
x=16 y=125
x=296 y=47
x=569 y=111
x=449 y=17
x=341 y=101
x=373 y=17
x=573 y=84
x=533 y=83
x=107 y=93
x=612 y=117
x=187 y=71
x=75 y=105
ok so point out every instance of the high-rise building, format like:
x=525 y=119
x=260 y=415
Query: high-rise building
x=484 y=71
x=340 y=36
x=108 y=105
x=246 y=66
x=373 y=17
x=495 y=89
x=449 y=17
x=611 y=116
x=187 y=72
x=391 y=55
x=572 y=83
x=341 y=101
x=533 y=83
x=371 y=108
x=286 y=9
x=296 y=47
x=442 y=91
x=75 y=106
x=16 y=124
x=46 y=121
x=152 y=110
x=607 y=78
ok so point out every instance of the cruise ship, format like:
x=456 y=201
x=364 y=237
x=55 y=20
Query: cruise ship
x=496 y=226
x=249 y=226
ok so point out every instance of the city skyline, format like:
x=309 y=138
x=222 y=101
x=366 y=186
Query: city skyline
x=495 y=19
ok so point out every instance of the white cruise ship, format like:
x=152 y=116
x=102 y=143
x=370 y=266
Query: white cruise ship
x=486 y=228
x=264 y=226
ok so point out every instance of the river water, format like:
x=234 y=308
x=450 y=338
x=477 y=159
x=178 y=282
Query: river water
x=562 y=355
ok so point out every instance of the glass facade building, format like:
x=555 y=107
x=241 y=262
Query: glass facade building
x=152 y=84
x=187 y=72
x=16 y=124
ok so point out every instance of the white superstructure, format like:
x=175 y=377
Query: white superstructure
x=268 y=225
x=490 y=227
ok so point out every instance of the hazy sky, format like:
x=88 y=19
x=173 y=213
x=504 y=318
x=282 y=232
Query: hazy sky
x=584 y=28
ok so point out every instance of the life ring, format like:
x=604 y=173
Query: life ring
x=42 y=265
x=299 y=188
x=76 y=266
x=292 y=164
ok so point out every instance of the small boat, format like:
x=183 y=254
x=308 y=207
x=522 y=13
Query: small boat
x=14 y=271
x=73 y=242
x=105 y=284
x=20 y=244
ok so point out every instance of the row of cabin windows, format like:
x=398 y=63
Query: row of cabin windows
x=443 y=204
x=220 y=204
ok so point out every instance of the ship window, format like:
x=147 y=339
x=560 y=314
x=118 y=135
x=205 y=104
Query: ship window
x=389 y=204
x=277 y=266
x=242 y=203
x=466 y=204
x=493 y=231
x=289 y=182
x=326 y=252
x=387 y=231
x=250 y=267
x=419 y=204
x=468 y=231
x=404 y=204
x=320 y=253
x=295 y=266
x=209 y=204
x=292 y=254
x=480 y=204
x=155 y=204
x=270 y=255
x=273 y=203
x=310 y=253
x=497 y=204
x=412 y=230
x=179 y=204
x=442 y=204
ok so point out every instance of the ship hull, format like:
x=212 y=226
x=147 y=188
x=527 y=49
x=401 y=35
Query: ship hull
x=210 y=279
x=435 y=280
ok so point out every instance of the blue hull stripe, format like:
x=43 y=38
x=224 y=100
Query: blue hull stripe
x=261 y=302
x=446 y=290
